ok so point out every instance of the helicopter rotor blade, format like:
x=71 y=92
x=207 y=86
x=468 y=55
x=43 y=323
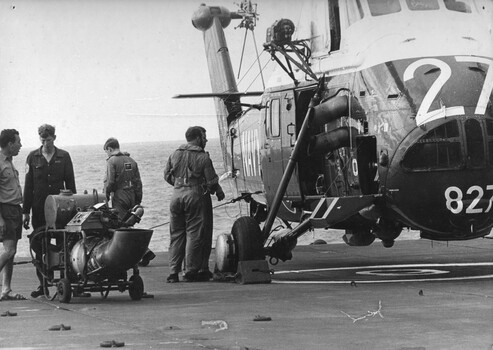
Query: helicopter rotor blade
x=221 y=95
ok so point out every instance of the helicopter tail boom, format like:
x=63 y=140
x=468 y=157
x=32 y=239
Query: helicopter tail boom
x=211 y=20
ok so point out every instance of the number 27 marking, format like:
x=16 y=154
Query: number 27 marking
x=424 y=114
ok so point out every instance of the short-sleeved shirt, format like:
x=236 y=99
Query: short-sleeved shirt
x=10 y=187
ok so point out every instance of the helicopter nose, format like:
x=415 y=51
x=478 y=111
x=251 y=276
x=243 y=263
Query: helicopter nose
x=440 y=179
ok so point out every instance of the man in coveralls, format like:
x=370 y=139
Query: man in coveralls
x=49 y=170
x=122 y=182
x=189 y=170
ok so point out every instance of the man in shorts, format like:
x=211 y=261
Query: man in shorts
x=10 y=209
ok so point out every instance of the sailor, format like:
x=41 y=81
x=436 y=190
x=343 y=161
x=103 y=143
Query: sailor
x=189 y=170
x=10 y=209
x=122 y=183
x=48 y=170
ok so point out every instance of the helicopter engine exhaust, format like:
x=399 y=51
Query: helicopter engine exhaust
x=336 y=137
x=335 y=108
x=331 y=140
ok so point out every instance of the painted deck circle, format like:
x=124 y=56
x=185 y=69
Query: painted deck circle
x=388 y=273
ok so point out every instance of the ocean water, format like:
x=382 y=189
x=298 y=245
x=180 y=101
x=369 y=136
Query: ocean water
x=89 y=167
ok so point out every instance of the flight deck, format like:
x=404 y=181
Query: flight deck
x=416 y=295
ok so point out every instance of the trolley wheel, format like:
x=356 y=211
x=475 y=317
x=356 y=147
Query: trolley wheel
x=136 y=287
x=247 y=239
x=64 y=290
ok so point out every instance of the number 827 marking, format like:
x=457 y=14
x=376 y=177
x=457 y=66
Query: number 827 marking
x=454 y=199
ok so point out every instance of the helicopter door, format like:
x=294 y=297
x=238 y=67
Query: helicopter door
x=272 y=166
x=288 y=139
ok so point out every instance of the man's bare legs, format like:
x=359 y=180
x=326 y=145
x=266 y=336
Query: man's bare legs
x=7 y=264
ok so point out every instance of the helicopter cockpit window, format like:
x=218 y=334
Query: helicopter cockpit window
x=439 y=149
x=384 y=7
x=273 y=127
x=489 y=128
x=475 y=148
x=354 y=11
x=422 y=5
x=459 y=6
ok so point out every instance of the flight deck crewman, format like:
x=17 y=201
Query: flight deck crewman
x=189 y=170
x=123 y=184
x=49 y=170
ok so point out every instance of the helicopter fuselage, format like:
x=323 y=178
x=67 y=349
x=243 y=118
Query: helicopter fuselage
x=416 y=131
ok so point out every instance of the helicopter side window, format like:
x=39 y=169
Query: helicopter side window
x=354 y=11
x=384 y=7
x=440 y=148
x=422 y=5
x=459 y=6
x=335 y=25
x=474 y=137
x=273 y=127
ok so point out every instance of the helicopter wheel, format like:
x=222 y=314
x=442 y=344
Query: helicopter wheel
x=225 y=253
x=248 y=240
x=136 y=287
x=64 y=290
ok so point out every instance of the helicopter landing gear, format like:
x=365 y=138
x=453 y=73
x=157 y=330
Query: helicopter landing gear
x=358 y=237
x=225 y=253
x=387 y=231
x=244 y=243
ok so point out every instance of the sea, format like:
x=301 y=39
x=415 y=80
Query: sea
x=89 y=166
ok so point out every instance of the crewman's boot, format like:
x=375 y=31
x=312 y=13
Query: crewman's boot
x=173 y=278
x=204 y=276
x=148 y=256
x=40 y=291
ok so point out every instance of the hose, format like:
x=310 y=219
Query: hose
x=244 y=196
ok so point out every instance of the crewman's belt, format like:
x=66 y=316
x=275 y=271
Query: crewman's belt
x=12 y=205
x=182 y=182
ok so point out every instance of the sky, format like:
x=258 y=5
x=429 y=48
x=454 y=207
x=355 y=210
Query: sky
x=109 y=68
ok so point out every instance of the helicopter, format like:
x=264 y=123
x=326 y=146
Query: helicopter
x=378 y=118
